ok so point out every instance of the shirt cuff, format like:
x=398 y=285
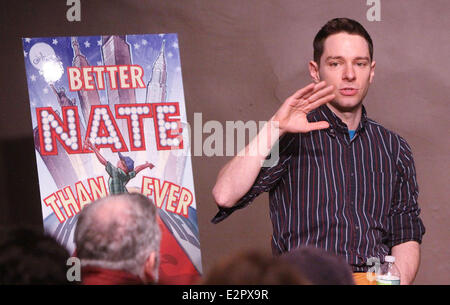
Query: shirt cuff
x=221 y=215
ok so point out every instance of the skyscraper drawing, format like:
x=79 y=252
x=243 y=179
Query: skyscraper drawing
x=117 y=51
x=87 y=98
x=59 y=166
x=156 y=87
x=172 y=163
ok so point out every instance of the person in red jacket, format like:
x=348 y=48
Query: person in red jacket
x=118 y=240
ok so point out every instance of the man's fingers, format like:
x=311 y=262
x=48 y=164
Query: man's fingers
x=321 y=93
x=318 y=125
x=309 y=90
x=304 y=91
x=317 y=87
x=321 y=101
x=322 y=97
x=317 y=92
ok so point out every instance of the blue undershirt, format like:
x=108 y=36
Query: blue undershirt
x=351 y=133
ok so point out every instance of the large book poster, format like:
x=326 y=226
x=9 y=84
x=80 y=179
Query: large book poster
x=119 y=98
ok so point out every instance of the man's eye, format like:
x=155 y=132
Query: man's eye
x=334 y=64
x=361 y=64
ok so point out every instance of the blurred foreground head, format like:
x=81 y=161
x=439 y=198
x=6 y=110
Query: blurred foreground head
x=251 y=267
x=319 y=266
x=121 y=233
x=28 y=256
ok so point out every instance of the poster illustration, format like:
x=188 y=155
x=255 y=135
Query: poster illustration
x=115 y=100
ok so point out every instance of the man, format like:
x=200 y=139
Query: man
x=343 y=182
x=117 y=240
x=120 y=175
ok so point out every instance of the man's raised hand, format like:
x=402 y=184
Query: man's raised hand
x=291 y=116
x=88 y=143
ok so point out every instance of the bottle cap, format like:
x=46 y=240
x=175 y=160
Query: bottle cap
x=389 y=259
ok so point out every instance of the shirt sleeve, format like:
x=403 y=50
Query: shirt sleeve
x=405 y=223
x=268 y=176
x=109 y=168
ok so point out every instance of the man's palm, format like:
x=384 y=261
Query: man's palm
x=292 y=115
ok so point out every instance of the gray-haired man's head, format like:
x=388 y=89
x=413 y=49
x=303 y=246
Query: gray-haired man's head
x=120 y=232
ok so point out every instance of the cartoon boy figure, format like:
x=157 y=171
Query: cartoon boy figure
x=122 y=173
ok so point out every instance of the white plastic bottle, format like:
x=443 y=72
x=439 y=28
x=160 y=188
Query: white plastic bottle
x=388 y=273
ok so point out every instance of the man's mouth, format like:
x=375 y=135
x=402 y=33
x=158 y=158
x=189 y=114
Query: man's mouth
x=348 y=91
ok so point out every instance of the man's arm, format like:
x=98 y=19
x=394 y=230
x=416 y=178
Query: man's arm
x=407 y=228
x=239 y=174
x=407 y=259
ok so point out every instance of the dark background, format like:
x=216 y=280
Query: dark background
x=240 y=60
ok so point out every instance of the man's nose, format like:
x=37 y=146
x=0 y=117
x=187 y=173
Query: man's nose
x=349 y=73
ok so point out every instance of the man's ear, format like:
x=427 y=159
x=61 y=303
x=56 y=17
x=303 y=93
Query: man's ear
x=372 y=71
x=314 y=71
x=149 y=267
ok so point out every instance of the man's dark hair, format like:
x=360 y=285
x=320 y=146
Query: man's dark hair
x=335 y=26
x=28 y=256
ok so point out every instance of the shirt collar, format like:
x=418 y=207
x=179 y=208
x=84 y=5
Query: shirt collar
x=326 y=114
x=92 y=275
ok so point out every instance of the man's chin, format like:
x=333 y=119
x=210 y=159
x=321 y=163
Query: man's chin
x=346 y=106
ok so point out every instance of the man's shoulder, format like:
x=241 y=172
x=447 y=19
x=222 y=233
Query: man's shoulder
x=374 y=125
x=393 y=137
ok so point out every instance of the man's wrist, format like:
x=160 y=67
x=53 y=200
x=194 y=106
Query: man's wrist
x=274 y=128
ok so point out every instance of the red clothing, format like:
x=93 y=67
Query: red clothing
x=176 y=267
x=99 y=276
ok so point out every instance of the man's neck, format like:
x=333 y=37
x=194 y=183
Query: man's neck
x=351 y=118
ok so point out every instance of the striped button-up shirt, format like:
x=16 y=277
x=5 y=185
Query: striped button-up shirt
x=355 y=197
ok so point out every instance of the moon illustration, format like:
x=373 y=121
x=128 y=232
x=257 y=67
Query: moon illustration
x=43 y=58
x=41 y=53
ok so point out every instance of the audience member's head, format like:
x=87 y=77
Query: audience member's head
x=28 y=256
x=120 y=233
x=252 y=267
x=319 y=266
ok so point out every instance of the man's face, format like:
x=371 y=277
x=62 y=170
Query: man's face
x=345 y=63
x=122 y=166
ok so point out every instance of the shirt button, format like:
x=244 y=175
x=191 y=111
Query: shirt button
x=332 y=133
x=357 y=227
x=352 y=174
